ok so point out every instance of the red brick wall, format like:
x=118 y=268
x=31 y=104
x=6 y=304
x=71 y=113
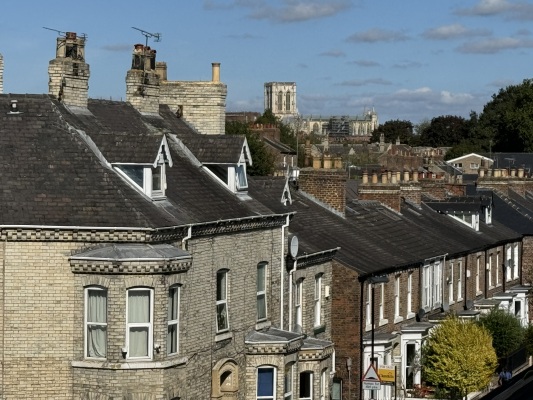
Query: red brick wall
x=387 y=194
x=345 y=318
x=326 y=185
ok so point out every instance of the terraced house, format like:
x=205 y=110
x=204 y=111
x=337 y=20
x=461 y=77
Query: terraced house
x=134 y=263
x=409 y=254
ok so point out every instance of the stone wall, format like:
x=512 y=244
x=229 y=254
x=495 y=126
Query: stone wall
x=201 y=104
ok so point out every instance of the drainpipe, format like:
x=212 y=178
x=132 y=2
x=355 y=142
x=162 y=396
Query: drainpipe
x=282 y=270
x=290 y=293
x=186 y=238
x=361 y=347
x=465 y=283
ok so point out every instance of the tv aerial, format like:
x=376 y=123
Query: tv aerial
x=147 y=35
x=61 y=33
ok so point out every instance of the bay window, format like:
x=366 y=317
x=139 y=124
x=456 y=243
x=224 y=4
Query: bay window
x=139 y=333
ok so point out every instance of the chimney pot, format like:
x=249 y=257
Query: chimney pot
x=215 y=67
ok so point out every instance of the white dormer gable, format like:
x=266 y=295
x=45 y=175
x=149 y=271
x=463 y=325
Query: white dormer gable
x=468 y=218
x=148 y=178
x=233 y=175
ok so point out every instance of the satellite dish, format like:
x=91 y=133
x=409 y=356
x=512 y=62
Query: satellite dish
x=293 y=245
x=420 y=314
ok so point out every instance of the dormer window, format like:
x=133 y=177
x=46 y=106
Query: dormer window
x=149 y=180
x=240 y=177
x=232 y=176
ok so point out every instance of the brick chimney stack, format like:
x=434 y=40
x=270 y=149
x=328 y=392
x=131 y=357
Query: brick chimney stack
x=327 y=186
x=143 y=80
x=68 y=72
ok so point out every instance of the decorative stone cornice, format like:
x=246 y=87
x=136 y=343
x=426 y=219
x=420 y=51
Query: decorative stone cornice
x=315 y=354
x=129 y=267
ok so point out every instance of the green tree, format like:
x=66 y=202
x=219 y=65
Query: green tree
x=507 y=119
x=528 y=339
x=263 y=161
x=458 y=356
x=445 y=131
x=505 y=329
x=393 y=130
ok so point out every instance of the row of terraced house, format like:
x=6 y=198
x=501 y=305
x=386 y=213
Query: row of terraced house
x=139 y=261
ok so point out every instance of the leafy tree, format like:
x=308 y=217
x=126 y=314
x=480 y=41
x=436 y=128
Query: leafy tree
x=528 y=340
x=445 y=131
x=505 y=329
x=263 y=161
x=393 y=130
x=507 y=119
x=458 y=355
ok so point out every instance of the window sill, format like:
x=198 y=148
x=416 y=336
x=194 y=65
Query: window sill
x=223 y=336
x=104 y=364
x=319 y=329
x=398 y=319
x=262 y=325
x=410 y=315
x=383 y=322
x=368 y=327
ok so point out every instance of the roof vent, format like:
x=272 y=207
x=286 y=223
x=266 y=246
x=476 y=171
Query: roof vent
x=13 y=107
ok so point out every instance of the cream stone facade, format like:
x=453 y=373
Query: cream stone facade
x=280 y=98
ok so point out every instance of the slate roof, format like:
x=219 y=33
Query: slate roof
x=51 y=176
x=372 y=238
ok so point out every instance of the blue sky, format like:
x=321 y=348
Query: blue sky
x=409 y=60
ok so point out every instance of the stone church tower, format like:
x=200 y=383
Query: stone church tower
x=68 y=72
x=280 y=98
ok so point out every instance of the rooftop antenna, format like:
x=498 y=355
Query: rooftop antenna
x=155 y=36
x=61 y=33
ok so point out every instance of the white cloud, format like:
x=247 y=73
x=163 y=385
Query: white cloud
x=364 y=82
x=453 y=31
x=377 y=35
x=494 y=45
x=365 y=63
x=334 y=53
x=487 y=7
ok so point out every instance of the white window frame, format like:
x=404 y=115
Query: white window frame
x=298 y=312
x=309 y=375
x=274 y=385
x=478 y=273
x=222 y=305
x=323 y=384
x=261 y=297
x=459 y=281
x=369 y=307
x=318 y=300
x=147 y=179
x=450 y=283
x=382 y=319
x=94 y=324
x=148 y=324
x=498 y=268
x=288 y=381
x=396 y=298
x=489 y=271
x=173 y=318
x=409 y=294
x=432 y=285
x=509 y=263
x=515 y=260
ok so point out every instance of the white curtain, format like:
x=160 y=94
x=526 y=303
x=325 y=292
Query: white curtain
x=139 y=322
x=96 y=323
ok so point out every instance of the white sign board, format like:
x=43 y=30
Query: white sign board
x=371 y=385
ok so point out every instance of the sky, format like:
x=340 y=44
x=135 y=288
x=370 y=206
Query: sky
x=408 y=60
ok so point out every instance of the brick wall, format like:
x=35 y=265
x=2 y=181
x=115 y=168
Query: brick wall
x=387 y=194
x=142 y=91
x=328 y=186
x=203 y=103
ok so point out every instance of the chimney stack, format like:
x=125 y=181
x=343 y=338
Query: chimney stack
x=68 y=72
x=326 y=186
x=143 y=80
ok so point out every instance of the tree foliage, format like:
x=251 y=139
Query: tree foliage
x=505 y=329
x=528 y=340
x=263 y=161
x=458 y=355
x=507 y=120
x=393 y=130
x=445 y=131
